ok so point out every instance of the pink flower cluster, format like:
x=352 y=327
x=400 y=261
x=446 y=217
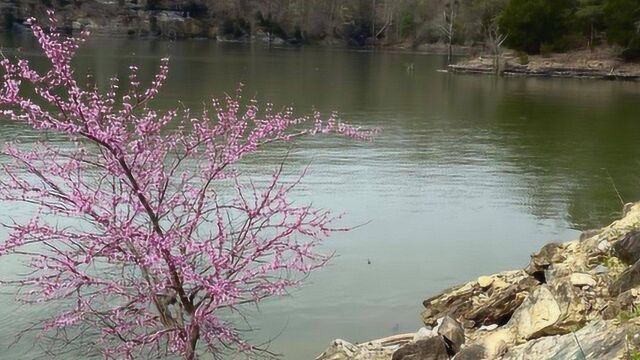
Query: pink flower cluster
x=146 y=233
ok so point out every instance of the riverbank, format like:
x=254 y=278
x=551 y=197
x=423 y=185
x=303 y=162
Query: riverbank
x=576 y=300
x=601 y=63
x=161 y=19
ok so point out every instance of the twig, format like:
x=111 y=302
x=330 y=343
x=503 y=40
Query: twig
x=614 y=187
x=579 y=346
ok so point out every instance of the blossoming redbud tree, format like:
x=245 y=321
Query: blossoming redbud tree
x=165 y=240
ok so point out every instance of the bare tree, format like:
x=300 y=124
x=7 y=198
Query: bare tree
x=448 y=29
x=495 y=39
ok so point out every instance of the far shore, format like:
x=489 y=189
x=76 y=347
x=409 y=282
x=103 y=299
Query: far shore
x=600 y=63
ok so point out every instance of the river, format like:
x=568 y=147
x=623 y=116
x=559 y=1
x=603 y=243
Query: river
x=469 y=175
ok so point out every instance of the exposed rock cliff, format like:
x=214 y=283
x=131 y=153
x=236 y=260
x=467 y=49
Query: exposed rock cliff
x=171 y=19
x=577 y=300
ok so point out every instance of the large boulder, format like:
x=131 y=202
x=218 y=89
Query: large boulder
x=497 y=342
x=538 y=312
x=551 y=309
x=453 y=334
x=628 y=247
x=473 y=352
x=434 y=348
x=490 y=300
x=598 y=340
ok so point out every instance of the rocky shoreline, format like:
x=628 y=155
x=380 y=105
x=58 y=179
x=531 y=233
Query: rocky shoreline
x=601 y=63
x=577 y=300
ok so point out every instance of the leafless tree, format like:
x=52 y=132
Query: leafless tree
x=495 y=39
x=448 y=28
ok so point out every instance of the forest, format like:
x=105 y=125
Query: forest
x=528 y=26
x=531 y=26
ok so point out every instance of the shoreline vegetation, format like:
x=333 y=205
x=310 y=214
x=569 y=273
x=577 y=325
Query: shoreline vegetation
x=574 y=300
x=595 y=39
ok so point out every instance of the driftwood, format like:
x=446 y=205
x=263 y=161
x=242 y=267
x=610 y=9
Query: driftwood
x=394 y=340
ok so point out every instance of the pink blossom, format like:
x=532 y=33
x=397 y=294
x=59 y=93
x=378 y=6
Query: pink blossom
x=157 y=259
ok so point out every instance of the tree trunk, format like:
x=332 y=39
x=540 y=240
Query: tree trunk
x=452 y=19
x=194 y=336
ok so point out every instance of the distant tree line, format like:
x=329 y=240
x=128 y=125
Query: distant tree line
x=359 y=22
x=531 y=26
x=541 y=26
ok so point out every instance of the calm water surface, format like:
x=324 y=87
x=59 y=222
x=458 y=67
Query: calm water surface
x=469 y=176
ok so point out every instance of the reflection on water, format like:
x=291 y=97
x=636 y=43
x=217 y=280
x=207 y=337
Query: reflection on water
x=469 y=176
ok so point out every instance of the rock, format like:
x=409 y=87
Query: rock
x=499 y=307
x=600 y=270
x=549 y=254
x=485 y=281
x=423 y=333
x=339 y=350
x=453 y=333
x=598 y=340
x=496 y=343
x=437 y=325
x=551 y=309
x=627 y=208
x=604 y=246
x=573 y=305
x=380 y=349
x=550 y=273
x=473 y=352
x=488 y=327
x=629 y=279
x=537 y=313
x=474 y=306
x=580 y=279
x=499 y=283
x=627 y=248
x=622 y=303
x=589 y=234
x=430 y=349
